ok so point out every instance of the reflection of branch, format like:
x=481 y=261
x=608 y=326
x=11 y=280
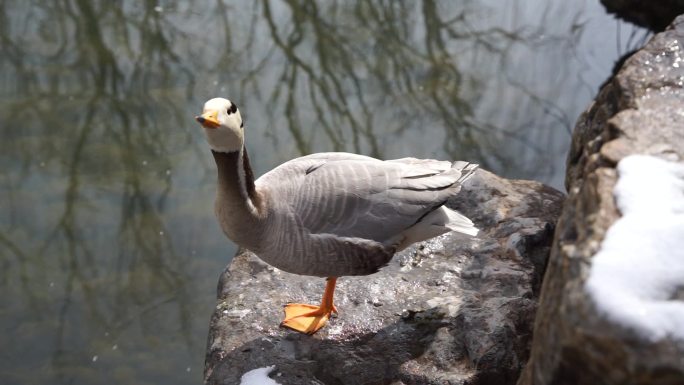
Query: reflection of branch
x=112 y=103
x=404 y=55
x=23 y=259
x=22 y=256
x=327 y=85
x=333 y=72
x=68 y=227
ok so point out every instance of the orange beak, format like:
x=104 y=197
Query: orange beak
x=208 y=119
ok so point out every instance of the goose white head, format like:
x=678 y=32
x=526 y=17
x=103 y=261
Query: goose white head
x=222 y=124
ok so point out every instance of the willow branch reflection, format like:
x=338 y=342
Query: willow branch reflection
x=94 y=106
x=343 y=62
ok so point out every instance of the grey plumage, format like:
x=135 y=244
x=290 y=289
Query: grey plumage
x=335 y=214
x=329 y=214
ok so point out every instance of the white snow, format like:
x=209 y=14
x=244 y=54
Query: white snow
x=258 y=377
x=635 y=277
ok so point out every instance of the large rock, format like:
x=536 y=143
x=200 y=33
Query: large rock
x=641 y=110
x=453 y=310
x=653 y=14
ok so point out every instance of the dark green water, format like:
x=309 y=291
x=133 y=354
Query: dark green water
x=109 y=251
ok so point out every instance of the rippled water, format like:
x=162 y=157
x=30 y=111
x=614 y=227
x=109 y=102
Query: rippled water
x=109 y=252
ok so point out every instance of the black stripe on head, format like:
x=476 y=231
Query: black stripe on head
x=232 y=109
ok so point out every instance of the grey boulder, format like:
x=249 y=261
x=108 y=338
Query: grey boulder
x=639 y=111
x=654 y=14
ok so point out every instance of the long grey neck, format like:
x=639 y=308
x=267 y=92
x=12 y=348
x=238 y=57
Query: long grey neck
x=239 y=207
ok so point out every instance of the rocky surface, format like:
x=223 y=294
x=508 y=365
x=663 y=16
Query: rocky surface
x=641 y=110
x=453 y=310
x=655 y=15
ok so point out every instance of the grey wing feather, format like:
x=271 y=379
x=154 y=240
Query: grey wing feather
x=351 y=195
x=351 y=198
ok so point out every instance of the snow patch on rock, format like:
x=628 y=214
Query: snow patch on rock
x=258 y=377
x=637 y=277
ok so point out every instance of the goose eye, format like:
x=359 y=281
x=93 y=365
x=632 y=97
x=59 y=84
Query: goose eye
x=232 y=109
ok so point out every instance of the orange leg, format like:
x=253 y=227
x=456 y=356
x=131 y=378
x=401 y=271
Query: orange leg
x=309 y=318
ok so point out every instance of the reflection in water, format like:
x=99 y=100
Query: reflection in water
x=109 y=251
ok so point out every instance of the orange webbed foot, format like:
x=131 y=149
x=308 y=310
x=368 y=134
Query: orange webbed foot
x=309 y=319
x=306 y=318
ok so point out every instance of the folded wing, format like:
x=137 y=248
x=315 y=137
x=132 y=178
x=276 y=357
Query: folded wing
x=354 y=196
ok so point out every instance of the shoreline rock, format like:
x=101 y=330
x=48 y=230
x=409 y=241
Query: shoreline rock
x=639 y=111
x=655 y=15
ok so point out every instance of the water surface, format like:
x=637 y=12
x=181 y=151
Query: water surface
x=109 y=252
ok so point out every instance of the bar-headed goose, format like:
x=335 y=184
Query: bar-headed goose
x=329 y=214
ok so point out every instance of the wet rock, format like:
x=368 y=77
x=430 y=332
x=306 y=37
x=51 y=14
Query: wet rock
x=641 y=110
x=655 y=15
x=453 y=310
